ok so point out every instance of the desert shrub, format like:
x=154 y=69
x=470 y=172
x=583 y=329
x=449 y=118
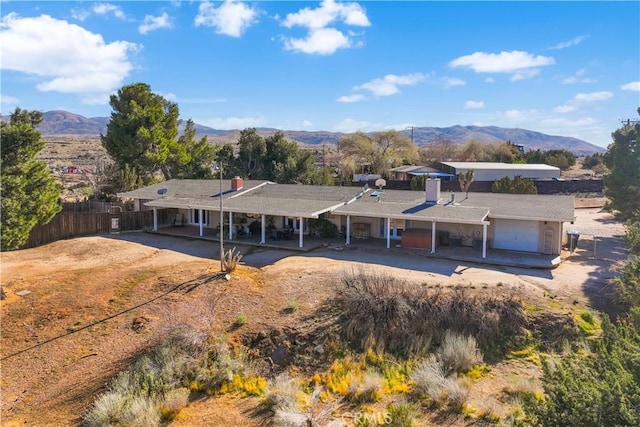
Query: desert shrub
x=219 y=367
x=283 y=392
x=135 y=396
x=322 y=227
x=387 y=314
x=401 y=414
x=367 y=388
x=632 y=235
x=553 y=330
x=431 y=379
x=627 y=284
x=428 y=377
x=173 y=402
x=602 y=389
x=458 y=352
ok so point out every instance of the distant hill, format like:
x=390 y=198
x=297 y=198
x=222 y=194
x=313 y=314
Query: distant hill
x=65 y=123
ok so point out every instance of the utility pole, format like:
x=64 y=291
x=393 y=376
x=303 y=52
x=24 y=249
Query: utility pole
x=412 y=128
x=222 y=269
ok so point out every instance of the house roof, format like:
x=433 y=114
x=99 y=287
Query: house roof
x=474 y=209
x=499 y=166
x=308 y=201
x=188 y=187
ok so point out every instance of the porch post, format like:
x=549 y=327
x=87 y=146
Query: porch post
x=484 y=241
x=155 y=219
x=560 y=238
x=348 y=229
x=301 y=231
x=262 y=229
x=433 y=237
x=200 y=221
x=230 y=225
x=388 y=232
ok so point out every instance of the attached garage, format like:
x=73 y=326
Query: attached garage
x=516 y=235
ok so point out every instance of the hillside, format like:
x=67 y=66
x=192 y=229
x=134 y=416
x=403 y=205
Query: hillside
x=72 y=322
x=65 y=123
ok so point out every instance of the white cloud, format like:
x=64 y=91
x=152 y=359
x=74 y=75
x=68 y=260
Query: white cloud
x=489 y=80
x=65 y=57
x=106 y=8
x=521 y=64
x=151 y=23
x=351 y=125
x=232 y=18
x=473 y=105
x=328 y=12
x=307 y=123
x=388 y=85
x=233 y=122
x=574 y=41
x=582 y=100
x=6 y=102
x=452 y=82
x=80 y=14
x=520 y=115
x=632 y=86
x=578 y=77
x=351 y=98
x=322 y=39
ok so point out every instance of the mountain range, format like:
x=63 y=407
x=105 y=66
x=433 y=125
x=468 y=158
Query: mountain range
x=60 y=122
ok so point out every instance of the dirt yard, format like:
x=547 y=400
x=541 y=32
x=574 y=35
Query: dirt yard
x=78 y=311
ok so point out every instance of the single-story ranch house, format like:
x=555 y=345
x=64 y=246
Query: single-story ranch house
x=418 y=219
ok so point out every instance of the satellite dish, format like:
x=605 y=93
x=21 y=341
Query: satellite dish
x=162 y=191
x=380 y=182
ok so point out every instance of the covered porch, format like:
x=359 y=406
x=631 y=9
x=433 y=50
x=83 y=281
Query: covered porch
x=462 y=254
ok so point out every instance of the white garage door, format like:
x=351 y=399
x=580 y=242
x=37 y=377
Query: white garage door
x=516 y=235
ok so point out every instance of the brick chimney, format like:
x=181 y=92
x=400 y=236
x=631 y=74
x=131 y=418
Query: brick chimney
x=236 y=183
x=432 y=190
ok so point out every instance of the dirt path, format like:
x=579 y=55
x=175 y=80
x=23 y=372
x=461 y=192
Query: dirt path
x=144 y=285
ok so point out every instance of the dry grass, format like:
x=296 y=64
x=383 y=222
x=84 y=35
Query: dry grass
x=388 y=314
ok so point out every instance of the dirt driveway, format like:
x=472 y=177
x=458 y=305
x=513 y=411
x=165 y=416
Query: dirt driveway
x=54 y=364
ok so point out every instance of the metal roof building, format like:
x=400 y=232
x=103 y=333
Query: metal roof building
x=491 y=171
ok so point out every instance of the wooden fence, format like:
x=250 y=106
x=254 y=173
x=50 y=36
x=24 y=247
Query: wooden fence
x=66 y=225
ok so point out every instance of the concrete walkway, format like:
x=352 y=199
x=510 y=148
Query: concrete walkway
x=465 y=254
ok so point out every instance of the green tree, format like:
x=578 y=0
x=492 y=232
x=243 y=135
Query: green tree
x=30 y=195
x=142 y=132
x=251 y=152
x=517 y=185
x=192 y=158
x=622 y=184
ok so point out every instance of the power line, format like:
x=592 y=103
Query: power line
x=196 y=282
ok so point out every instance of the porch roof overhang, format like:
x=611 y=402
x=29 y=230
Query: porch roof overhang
x=250 y=205
x=422 y=212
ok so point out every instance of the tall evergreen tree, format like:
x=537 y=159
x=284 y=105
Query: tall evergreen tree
x=622 y=184
x=142 y=132
x=30 y=195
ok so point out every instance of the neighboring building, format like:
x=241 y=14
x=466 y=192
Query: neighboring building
x=425 y=219
x=406 y=173
x=490 y=171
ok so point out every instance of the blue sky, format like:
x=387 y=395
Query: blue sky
x=561 y=68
